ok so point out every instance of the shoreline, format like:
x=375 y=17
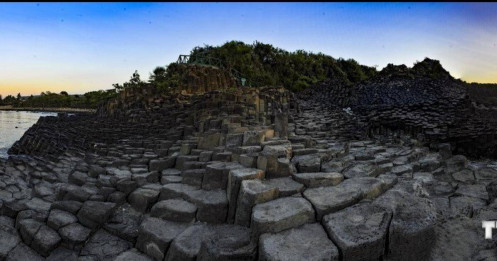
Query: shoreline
x=31 y=109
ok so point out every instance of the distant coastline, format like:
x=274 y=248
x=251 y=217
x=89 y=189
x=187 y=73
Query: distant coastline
x=10 y=108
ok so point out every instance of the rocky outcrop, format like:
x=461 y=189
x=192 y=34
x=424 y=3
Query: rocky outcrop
x=243 y=174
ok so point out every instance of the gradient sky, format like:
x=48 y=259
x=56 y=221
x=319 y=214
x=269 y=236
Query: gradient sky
x=81 y=47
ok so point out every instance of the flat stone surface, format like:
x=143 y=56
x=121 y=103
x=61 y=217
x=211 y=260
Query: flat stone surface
x=319 y=179
x=73 y=235
x=142 y=199
x=59 y=218
x=104 y=246
x=132 y=255
x=359 y=231
x=280 y=214
x=475 y=191
x=326 y=200
x=212 y=205
x=286 y=186
x=95 y=213
x=308 y=242
x=177 y=210
x=216 y=175
x=175 y=190
x=23 y=252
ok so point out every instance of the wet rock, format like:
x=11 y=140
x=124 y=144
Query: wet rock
x=308 y=242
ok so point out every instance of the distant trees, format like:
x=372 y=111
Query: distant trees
x=267 y=65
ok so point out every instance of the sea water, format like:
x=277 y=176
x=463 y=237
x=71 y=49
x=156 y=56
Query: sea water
x=13 y=124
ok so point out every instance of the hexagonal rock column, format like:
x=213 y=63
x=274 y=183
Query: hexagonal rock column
x=227 y=242
x=156 y=234
x=330 y=199
x=359 y=231
x=308 y=242
x=95 y=213
x=412 y=229
x=280 y=214
x=212 y=205
x=216 y=175
x=187 y=244
x=269 y=160
x=235 y=179
x=177 y=210
x=252 y=192
x=319 y=179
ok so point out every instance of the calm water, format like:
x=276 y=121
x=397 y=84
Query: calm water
x=9 y=120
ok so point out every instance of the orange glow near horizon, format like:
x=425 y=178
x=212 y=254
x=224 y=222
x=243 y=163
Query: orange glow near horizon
x=82 y=47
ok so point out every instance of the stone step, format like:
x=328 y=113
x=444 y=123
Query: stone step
x=235 y=179
x=155 y=235
x=307 y=242
x=331 y=199
x=281 y=214
x=177 y=210
x=252 y=192
x=216 y=175
x=359 y=231
x=319 y=179
x=412 y=229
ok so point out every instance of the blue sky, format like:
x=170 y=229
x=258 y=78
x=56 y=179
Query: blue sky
x=80 y=47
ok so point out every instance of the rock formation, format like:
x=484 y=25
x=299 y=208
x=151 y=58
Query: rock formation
x=213 y=173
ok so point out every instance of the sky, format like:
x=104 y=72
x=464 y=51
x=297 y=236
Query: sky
x=81 y=47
